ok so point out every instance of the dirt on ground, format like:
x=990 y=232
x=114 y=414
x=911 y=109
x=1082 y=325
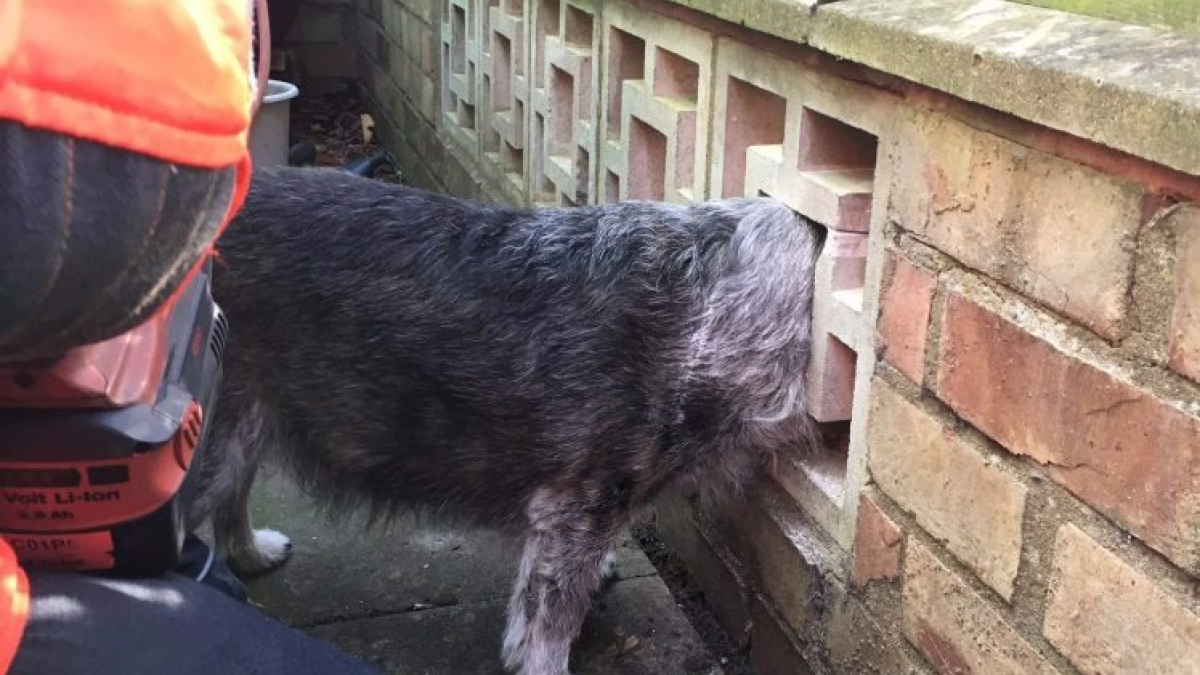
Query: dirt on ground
x=734 y=661
x=327 y=130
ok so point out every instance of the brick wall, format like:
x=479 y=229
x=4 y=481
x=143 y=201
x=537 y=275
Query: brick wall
x=1007 y=334
x=318 y=52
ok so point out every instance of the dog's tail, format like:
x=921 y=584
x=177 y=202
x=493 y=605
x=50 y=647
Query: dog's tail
x=754 y=338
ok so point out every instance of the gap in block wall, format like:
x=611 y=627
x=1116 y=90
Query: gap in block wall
x=753 y=117
x=647 y=161
x=626 y=61
x=458 y=39
x=562 y=102
x=502 y=58
x=578 y=27
x=612 y=187
x=675 y=76
x=548 y=20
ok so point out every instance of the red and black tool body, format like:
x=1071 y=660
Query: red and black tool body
x=99 y=451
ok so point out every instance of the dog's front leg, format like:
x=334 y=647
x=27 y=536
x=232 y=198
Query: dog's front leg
x=562 y=566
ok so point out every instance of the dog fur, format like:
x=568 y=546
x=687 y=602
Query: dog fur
x=546 y=372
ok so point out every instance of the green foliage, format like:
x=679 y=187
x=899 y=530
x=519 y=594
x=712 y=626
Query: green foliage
x=1179 y=15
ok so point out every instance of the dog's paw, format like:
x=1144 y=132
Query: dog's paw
x=269 y=550
x=608 y=567
x=534 y=670
x=273 y=547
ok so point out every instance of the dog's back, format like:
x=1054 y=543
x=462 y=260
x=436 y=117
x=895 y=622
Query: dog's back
x=414 y=349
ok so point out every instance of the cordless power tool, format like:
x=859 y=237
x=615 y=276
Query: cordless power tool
x=100 y=449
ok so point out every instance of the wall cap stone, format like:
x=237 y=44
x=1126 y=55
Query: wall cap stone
x=787 y=19
x=1132 y=88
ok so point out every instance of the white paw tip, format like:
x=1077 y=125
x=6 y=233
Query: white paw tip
x=608 y=567
x=275 y=546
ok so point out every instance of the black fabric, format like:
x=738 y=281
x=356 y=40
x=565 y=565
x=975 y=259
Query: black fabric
x=93 y=238
x=198 y=561
x=82 y=625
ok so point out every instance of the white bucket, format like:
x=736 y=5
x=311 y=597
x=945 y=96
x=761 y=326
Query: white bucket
x=269 y=131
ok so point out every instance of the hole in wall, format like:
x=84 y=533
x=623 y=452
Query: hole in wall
x=837 y=161
x=825 y=469
x=449 y=102
x=539 y=132
x=502 y=60
x=675 y=76
x=647 y=161
x=548 y=19
x=546 y=189
x=458 y=39
x=491 y=138
x=562 y=106
x=828 y=144
x=685 y=155
x=850 y=260
x=753 y=116
x=835 y=436
x=486 y=18
x=466 y=115
x=626 y=61
x=511 y=159
x=837 y=387
x=543 y=188
x=583 y=169
x=578 y=26
x=612 y=187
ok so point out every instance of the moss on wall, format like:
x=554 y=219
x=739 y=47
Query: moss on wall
x=1179 y=15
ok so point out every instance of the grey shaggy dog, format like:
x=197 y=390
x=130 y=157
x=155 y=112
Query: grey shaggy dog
x=546 y=372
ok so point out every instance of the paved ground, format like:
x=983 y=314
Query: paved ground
x=422 y=601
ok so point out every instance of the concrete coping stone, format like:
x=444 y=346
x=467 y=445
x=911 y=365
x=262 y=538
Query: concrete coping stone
x=1132 y=88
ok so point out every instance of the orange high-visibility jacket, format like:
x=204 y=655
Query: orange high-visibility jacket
x=165 y=78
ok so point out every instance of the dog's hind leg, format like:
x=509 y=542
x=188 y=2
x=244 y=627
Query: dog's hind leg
x=248 y=551
x=562 y=567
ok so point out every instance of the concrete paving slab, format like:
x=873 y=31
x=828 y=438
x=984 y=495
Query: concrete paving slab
x=635 y=630
x=422 y=599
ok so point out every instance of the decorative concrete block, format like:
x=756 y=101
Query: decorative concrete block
x=656 y=88
x=565 y=41
x=460 y=68
x=809 y=140
x=505 y=91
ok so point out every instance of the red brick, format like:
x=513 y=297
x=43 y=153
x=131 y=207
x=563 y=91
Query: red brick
x=1185 y=321
x=955 y=628
x=951 y=489
x=904 y=318
x=877 y=544
x=1055 y=230
x=1108 y=618
x=1127 y=453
